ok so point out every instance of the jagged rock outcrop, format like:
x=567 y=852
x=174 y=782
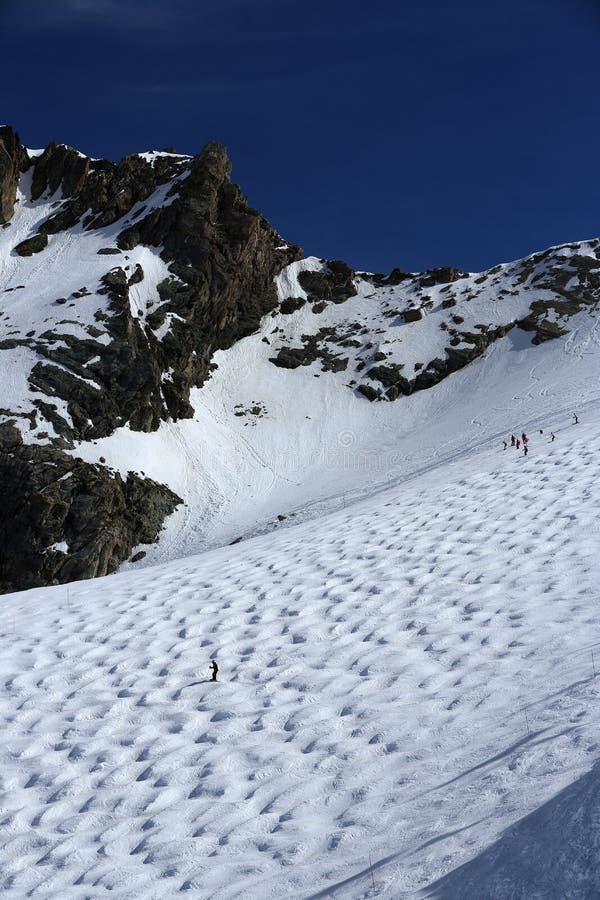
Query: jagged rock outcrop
x=64 y=519
x=32 y=245
x=132 y=366
x=13 y=160
x=335 y=283
x=442 y=275
x=98 y=192
x=315 y=347
x=437 y=369
x=223 y=257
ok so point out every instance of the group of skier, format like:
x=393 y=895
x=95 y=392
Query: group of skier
x=523 y=441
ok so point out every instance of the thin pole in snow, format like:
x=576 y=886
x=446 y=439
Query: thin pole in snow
x=371 y=870
x=527 y=723
x=593 y=664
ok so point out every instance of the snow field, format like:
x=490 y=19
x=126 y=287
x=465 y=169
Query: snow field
x=405 y=673
x=401 y=680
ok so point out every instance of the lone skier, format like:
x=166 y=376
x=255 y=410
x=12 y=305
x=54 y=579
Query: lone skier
x=576 y=422
x=552 y=436
x=505 y=444
x=215 y=669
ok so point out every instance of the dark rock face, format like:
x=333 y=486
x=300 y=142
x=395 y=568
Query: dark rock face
x=443 y=275
x=100 y=189
x=32 y=245
x=397 y=276
x=369 y=392
x=335 y=284
x=127 y=375
x=291 y=358
x=315 y=347
x=13 y=161
x=59 y=167
x=390 y=377
x=223 y=257
x=547 y=331
x=291 y=305
x=93 y=515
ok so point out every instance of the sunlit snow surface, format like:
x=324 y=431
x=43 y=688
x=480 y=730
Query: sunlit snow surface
x=407 y=703
x=401 y=680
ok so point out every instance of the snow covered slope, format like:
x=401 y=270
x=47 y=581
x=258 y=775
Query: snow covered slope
x=270 y=446
x=403 y=682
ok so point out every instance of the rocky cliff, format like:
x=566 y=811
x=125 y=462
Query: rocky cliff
x=93 y=356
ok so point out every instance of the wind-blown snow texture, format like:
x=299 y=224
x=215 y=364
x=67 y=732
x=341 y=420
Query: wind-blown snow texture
x=403 y=681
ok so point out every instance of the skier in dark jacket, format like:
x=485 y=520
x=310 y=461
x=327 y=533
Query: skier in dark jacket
x=525 y=449
x=215 y=669
x=512 y=440
x=576 y=422
x=524 y=438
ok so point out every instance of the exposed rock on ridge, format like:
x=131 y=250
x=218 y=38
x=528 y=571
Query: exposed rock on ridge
x=13 y=160
x=223 y=257
x=538 y=294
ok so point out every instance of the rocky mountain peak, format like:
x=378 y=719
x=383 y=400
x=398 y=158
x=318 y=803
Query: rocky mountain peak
x=13 y=160
x=141 y=270
x=59 y=167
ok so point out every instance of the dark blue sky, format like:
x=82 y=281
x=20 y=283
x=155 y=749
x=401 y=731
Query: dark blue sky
x=384 y=133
